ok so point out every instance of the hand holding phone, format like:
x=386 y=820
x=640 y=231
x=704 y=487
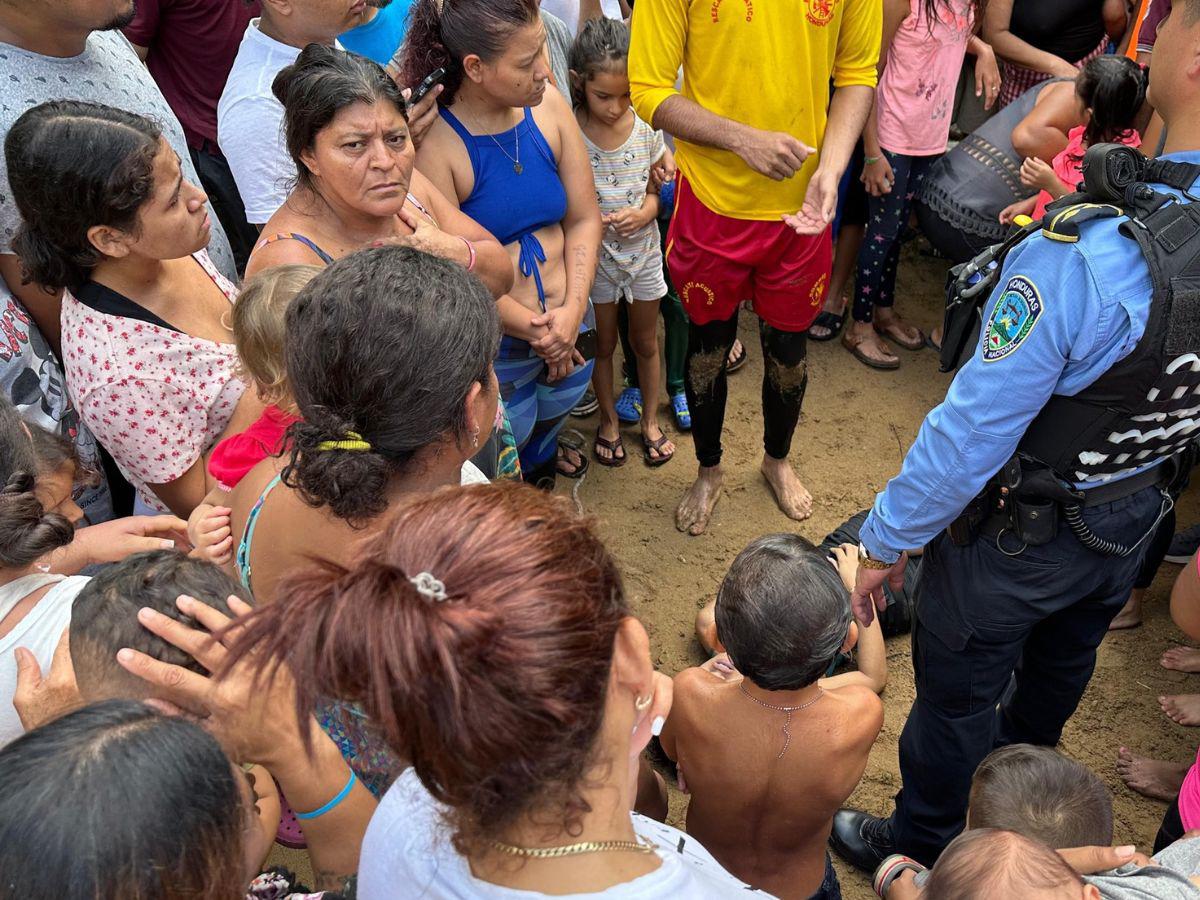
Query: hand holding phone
x=434 y=78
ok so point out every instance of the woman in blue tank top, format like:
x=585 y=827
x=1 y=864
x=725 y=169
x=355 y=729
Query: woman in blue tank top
x=509 y=152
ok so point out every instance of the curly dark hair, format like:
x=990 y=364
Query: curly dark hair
x=385 y=343
x=27 y=531
x=72 y=166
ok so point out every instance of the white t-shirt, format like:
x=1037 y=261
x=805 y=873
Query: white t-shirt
x=250 y=129
x=407 y=854
x=39 y=631
x=568 y=11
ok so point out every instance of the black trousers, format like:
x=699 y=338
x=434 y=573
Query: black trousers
x=1171 y=829
x=217 y=181
x=785 y=378
x=1002 y=649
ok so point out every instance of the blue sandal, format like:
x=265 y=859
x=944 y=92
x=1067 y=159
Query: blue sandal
x=683 y=415
x=629 y=406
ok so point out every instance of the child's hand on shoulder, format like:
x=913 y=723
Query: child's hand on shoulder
x=845 y=558
x=211 y=534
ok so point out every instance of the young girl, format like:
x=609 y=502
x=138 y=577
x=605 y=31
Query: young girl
x=924 y=42
x=41 y=551
x=258 y=332
x=623 y=149
x=1110 y=93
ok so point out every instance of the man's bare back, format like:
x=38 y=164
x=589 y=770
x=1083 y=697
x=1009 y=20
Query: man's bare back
x=764 y=817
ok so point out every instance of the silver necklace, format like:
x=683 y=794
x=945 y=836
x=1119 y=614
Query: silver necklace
x=787 y=735
x=517 y=167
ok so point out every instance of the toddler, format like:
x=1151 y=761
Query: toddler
x=624 y=152
x=258 y=332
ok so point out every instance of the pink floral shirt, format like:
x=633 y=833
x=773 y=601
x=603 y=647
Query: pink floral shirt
x=157 y=398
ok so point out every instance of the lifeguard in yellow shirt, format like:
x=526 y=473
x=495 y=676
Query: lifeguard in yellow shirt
x=761 y=148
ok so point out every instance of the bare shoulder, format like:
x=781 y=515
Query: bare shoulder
x=862 y=710
x=277 y=247
x=439 y=145
x=695 y=686
x=555 y=117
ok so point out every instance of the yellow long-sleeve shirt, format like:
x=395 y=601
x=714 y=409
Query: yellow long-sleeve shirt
x=765 y=63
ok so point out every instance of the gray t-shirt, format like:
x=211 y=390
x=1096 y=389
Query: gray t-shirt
x=107 y=71
x=1166 y=880
x=558 y=41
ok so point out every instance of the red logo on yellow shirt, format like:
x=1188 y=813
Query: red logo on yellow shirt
x=820 y=12
x=715 y=10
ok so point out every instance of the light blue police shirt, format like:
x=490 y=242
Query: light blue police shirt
x=1069 y=313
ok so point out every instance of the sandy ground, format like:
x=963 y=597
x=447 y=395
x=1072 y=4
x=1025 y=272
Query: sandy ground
x=856 y=427
x=857 y=424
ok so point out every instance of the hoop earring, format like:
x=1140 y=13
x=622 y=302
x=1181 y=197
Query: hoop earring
x=641 y=704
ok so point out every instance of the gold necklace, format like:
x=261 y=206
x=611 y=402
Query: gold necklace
x=641 y=845
x=787 y=735
x=517 y=167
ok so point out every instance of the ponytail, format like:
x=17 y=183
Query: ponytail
x=476 y=630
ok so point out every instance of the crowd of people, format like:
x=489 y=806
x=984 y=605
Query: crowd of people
x=299 y=296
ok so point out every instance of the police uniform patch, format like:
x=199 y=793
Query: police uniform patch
x=1016 y=312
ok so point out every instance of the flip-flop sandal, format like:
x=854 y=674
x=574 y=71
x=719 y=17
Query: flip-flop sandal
x=882 y=365
x=917 y=343
x=613 y=461
x=657 y=446
x=683 y=415
x=562 y=459
x=832 y=322
x=932 y=344
x=629 y=406
x=891 y=869
x=738 y=361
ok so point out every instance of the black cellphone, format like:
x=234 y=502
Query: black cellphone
x=585 y=343
x=431 y=80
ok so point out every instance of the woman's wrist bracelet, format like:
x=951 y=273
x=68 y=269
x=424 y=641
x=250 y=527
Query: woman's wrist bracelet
x=332 y=804
x=470 y=253
x=871 y=160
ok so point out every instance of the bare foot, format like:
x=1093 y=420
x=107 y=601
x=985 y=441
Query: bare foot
x=868 y=348
x=1130 y=616
x=695 y=509
x=793 y=497
x=1181 y=659
x=1182 y=708
x=1152 y=778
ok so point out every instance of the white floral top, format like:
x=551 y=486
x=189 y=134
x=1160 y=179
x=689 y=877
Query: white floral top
x=155 y=397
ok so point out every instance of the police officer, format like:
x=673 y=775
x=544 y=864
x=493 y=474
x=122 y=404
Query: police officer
x=1035 y=484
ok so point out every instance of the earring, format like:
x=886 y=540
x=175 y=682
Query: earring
x=641 y=704
x=475 y=438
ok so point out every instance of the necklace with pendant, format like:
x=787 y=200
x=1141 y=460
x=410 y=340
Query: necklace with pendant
x=787 y=735
x=516 y=161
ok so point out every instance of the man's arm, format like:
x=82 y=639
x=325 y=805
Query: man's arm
x=659 y=33
x=43 y=306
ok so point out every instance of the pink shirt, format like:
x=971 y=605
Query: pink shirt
x=1189 y=791
x=915 y=98
x=1068 y=164
x=155 y=397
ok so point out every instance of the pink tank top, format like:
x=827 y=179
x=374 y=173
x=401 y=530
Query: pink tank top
x=1189 y=792
x=915 y=99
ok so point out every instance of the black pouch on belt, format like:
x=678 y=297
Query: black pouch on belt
x=1035 y=520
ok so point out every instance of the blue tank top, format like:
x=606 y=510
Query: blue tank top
x=513 y=206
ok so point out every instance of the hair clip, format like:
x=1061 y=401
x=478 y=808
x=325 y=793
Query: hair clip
x=429 y=587
x=354 y=441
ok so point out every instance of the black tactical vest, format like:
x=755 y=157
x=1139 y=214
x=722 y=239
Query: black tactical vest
x=1147 y=407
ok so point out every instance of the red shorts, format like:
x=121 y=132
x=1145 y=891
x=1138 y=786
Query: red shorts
x=717 y=262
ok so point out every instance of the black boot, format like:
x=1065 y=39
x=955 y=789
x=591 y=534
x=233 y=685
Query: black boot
x=862 y=840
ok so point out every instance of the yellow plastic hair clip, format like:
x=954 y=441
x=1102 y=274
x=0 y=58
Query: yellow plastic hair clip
x=354 y=442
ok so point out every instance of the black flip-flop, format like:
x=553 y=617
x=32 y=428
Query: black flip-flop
x=931 y=344
x=579 y=470
x=832 y=322
x=613 y=461
x=738 y=361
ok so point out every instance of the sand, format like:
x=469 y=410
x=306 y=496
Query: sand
x=857 y=424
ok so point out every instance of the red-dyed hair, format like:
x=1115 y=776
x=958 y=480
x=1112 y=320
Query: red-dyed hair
x=495 y=694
